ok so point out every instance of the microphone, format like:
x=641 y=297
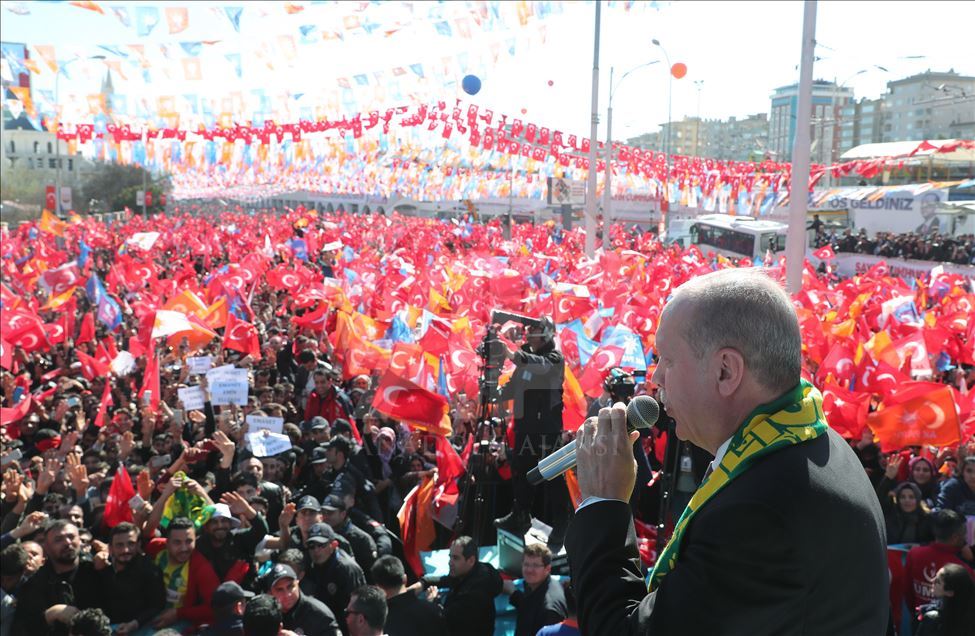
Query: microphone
x=641 y=413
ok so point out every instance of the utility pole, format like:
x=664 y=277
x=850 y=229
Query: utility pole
x=795 y=245
x=591 y=202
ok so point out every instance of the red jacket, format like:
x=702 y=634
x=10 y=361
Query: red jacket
x=201 y=582
x=923 y=563
x=332 y=406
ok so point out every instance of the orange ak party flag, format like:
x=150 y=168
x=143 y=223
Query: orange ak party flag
x=929 y=419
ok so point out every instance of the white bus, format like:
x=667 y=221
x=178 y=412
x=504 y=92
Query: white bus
x=737 y=236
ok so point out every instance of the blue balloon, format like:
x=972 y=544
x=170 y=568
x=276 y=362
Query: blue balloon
x=471 y=84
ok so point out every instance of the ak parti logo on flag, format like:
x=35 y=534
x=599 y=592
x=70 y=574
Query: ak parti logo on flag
x=918 y=418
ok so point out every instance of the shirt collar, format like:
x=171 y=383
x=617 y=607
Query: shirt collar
x=719 y=455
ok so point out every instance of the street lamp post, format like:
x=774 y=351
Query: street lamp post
x=57 y=131
x=607 y=187
x=662 y=228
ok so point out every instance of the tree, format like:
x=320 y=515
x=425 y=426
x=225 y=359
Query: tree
x=108 y=181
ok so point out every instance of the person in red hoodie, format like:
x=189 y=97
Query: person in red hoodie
x=924 y=561
x=189 y=578
x=327 y=400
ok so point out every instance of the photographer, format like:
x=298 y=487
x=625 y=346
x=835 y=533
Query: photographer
x=536 y=389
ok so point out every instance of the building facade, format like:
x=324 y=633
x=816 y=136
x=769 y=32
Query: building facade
x=827 y=100
x=930 y=105
x=861 y=122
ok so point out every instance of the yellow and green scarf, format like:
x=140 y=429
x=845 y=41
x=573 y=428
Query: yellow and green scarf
x=794 y=418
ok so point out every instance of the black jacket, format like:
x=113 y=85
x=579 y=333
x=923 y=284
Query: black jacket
x=469 y=605
x=311 y=617
x=536 y=388
x=756 y=559
x=412 y=616
x=545 y=605
x=136 y=593
x=363 y=547
x=78 y=588
x=334 y=581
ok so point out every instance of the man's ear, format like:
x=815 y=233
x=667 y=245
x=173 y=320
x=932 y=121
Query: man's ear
x=730 y=370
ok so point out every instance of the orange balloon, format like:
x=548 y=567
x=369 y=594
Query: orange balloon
x=678 y=70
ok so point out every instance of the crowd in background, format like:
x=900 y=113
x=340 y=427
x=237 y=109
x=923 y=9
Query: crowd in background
x=213 y=538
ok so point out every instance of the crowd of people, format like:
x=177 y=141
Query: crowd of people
x=934 y=246
x=130 y=506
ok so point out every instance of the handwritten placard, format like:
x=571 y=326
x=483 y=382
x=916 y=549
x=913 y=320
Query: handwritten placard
x=259 y=422
x=228 y=385
x=192 y=398
x=198 y=365
x=264 y=444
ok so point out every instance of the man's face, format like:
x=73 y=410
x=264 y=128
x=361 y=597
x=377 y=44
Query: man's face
x=681 y=376
x=180 y=545
x=459 y=566
x=534 y=571
x=307 y=518
x=255 y=467
x=123 y=548
x=286 y=592
x=272 y=469
x=320 y=552
x=36 y=556
x=334 y=518
x=74 y=514
x=247 y=492
x=217 y=529
x=353 y=618
x=322 y=384
x=929 y=207
x=64 y=545
x=535 y=339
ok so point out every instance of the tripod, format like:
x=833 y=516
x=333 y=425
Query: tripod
x=471 y=521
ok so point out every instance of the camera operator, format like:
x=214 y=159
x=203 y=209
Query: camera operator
x=536 y=388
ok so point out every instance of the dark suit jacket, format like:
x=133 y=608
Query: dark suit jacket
x=793 y=546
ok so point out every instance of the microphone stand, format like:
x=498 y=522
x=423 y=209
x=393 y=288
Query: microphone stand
x=667 y=483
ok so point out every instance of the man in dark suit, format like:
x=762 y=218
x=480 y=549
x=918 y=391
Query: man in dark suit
x=784 y=536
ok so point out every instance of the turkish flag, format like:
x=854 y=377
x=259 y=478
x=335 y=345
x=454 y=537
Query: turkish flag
x=150 y=382
x=105 y=403
x=928 y=419
x=574 y=407
x=15 y=413
x=825 y=253
x=603 y=359
x=6 y=355
x=416 y=523
x=241 y=336
x=450 y=467
x=87 y=331
x=400 y=399
x=846 y=411
x=839 y=363
x=25 y=330
x=117 y=507
x=58 y=281
x=91 y=367
x=568 y=308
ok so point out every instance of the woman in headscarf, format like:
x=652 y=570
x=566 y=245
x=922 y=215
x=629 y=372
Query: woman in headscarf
x=906 y=516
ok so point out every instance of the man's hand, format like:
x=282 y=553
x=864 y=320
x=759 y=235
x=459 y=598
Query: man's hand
x=31 y=524
x=508 y=587
x=238 y=505
x=78 y=475
x=45 y=479
x=127 y=628
x=604 y=454
x=101 y=560
x=165 y=618
x=287 y=515
x=226 y=447
x=144 y=485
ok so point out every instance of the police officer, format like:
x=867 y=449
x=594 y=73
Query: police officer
x=333 y=574
x=336 y=515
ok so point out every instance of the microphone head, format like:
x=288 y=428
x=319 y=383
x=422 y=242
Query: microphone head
x=642 y=412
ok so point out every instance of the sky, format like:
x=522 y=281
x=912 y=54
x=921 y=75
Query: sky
x=736 y=53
